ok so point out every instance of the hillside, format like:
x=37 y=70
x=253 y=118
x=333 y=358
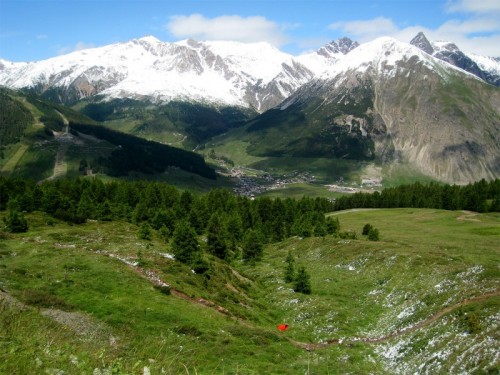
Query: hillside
x=425 y=298
x=46 y=140
x=388 y=104
x=180 y=124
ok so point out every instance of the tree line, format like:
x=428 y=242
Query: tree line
x=228 y=221
x=481 y=196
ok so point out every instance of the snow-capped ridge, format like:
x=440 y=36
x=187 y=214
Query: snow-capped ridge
x=482 y=67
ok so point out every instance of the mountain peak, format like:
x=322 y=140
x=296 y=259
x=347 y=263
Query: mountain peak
x=149 y=39
x=420 y=41
x=340 y=46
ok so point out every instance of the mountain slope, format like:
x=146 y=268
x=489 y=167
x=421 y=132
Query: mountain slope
x=97 y=298
x=388 y=101
x=46 y=134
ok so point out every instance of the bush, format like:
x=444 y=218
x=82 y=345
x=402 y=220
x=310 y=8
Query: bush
x=302 y=282
x=348 y=235
x=164 y=289
x=15 y=222
x=145 y=232
x=373 y=234
x=366 y=229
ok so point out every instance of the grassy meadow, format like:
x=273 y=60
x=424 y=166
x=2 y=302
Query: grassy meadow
x=86 y=299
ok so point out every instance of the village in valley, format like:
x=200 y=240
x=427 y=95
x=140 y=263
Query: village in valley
x=252 y=182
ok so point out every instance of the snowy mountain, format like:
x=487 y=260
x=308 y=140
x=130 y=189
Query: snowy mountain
x=327 y=56
x=222 y=73
x=390 y=102
x=486 y=68
x=227 y=73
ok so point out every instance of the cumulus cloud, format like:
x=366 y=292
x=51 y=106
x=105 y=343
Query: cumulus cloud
x=230 y=27
x=77 y=47
x=367 y=29
x=473 y=6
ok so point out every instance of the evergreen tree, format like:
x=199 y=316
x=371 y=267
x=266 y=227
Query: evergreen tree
x=332 y=225
x=217 y=237
x=320 y=230
x=164 y=233
x=373 y=234
x=290 y=268
x=366 y=229
x=185 y=244
x=15 y=222
x=252 y=245
x=104 y=212
x=302 y=282
x=495 y=205
x=145 y=232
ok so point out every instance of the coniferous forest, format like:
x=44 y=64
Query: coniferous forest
x=230 y=222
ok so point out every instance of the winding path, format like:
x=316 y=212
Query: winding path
x=154 y=278
x=424 y=323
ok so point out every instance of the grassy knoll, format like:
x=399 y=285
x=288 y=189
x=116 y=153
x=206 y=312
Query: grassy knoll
x=79 y=306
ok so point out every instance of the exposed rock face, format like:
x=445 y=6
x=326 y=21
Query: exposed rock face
x=420 y=41
x=416 y=110
x=340 y=46
x=449 y=52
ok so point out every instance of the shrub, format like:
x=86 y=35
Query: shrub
x=373 y=234
x=15 y=222
x=302 y=282
x=366 y=229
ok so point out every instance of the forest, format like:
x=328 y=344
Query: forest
x=481 y=196
x=14 y=119
x=235 y=226
x=138 y=154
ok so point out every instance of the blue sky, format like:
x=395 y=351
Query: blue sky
x=38 y=29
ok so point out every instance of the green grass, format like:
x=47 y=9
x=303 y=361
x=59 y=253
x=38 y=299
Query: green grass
x=11 y=163
x=425 y=261
x=299 y=190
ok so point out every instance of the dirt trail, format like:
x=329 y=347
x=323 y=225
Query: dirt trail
x=64 y=138
x=468 y=216
x=424 y=323
x=152 y=277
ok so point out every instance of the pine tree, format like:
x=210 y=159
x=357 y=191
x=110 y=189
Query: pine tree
x=290 y=268
x=332 y=225
x=366 y=229
x=252 y=245
x=15 y=222
x=145 y=232
x=302 y=282
x=164 y=233
x=217 y=237
x=373 y=234
x=185 y=244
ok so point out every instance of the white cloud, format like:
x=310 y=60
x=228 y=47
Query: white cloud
x=366 y=29
x=77 y=47
x=478 y=34
x=231 y=27
x=42 y=36
x=473 y=6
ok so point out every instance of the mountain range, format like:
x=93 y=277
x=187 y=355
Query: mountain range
x=423 y=104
